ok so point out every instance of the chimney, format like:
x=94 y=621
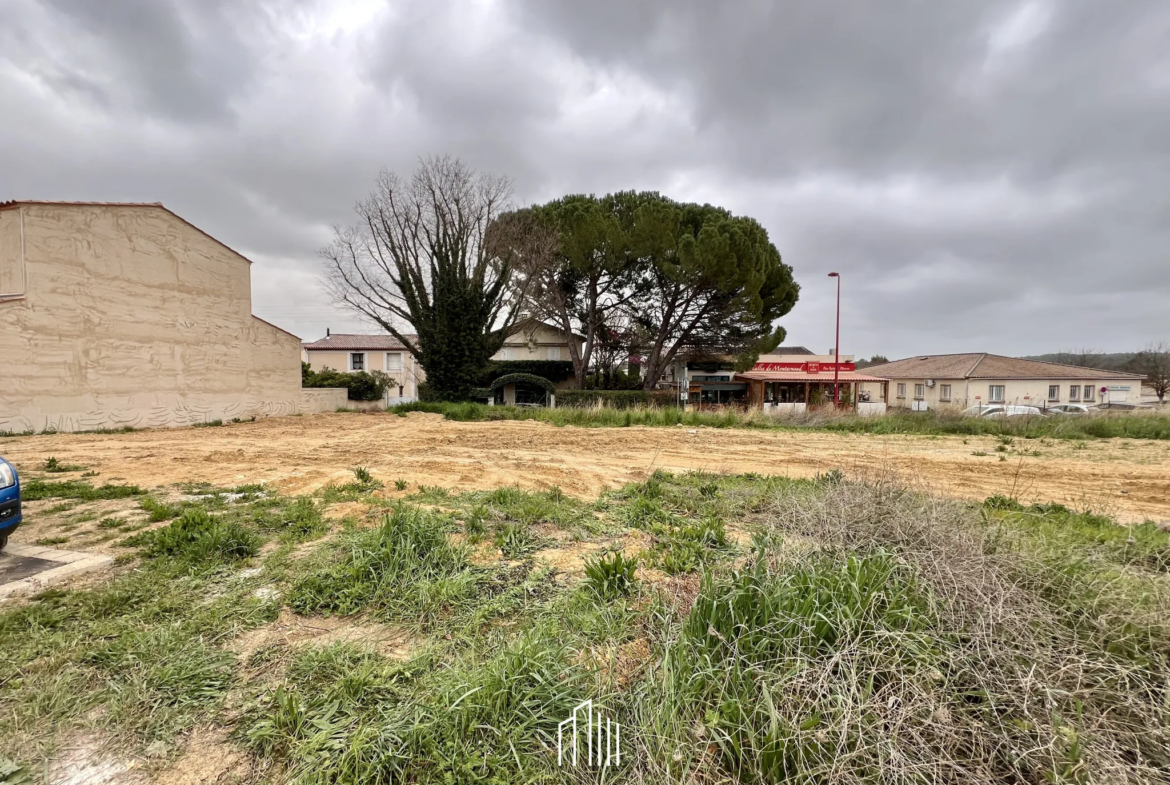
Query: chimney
x=326 y=332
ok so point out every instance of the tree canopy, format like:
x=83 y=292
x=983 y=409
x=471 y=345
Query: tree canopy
x=692 y=279
x=440 y=253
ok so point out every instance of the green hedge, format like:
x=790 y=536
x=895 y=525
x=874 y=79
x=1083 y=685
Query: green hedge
x=524 y=378
x=362 y=385
x=616 y=399
x=553 y=370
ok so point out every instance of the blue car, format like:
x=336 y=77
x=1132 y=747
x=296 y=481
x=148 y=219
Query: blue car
x=9 y=501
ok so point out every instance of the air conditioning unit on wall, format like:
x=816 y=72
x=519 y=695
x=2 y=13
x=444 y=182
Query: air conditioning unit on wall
x=930 y=382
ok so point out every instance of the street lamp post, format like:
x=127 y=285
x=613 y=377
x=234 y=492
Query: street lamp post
x=837 y=348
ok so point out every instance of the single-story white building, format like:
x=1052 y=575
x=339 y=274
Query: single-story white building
x=963 y=380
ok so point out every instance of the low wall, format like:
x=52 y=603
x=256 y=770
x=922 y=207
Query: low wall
x=871 y=408
x=152 y=410
x=785 y=408
x=315 y=400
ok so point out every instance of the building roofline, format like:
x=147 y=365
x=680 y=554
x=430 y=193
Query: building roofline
x=1090 y=373
x=273 y=326
x=12 y=203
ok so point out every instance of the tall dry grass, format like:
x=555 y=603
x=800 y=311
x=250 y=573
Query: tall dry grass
x=916 y=643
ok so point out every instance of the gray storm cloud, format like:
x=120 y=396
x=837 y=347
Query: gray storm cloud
x=985 y=175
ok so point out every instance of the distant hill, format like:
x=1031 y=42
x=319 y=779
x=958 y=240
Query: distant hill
x=1115 y=361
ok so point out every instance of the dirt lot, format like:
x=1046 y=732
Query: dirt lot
x=1124 y=477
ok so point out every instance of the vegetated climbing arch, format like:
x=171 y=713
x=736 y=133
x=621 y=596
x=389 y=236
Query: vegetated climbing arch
x=524 y=378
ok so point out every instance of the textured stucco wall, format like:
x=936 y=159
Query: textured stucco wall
x=1017 y=392
x=133 y=317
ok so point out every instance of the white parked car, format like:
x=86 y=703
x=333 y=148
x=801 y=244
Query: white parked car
x=1068 y=408
x=1002 y=410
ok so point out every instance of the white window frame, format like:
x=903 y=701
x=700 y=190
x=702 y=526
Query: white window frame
x=549 y=351
x=507 y=354
x=365 y=361
x=401 y=366
x=1074 y=393
x=1089 y=394
x=944 y=392
x=1054 y=398
x=919 y=391
x=901 y=389
x=991 y=388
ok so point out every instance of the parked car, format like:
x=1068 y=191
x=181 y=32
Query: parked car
x=1122 y=407
x=1068 y=408
x=9 y=501
x=1002 y=410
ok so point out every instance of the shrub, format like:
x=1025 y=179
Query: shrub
x=362 y=385
x=523 y=378
x=612 y=576
x=553 y=370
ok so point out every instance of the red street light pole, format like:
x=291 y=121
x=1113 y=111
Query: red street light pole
x=837 y=348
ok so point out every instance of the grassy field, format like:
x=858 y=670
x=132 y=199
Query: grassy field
x=1141 y=425
x=740 y=628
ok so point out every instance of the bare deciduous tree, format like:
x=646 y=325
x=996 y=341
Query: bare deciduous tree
x=1154 y=362
x=440 y=253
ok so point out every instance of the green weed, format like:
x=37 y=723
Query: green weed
x=35 y=490
x=612 y=576
x=197 y=539
x=404 y=566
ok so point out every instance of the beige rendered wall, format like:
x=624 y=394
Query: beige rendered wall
x=133 y=317
x=1020 y=392
x=534 y=345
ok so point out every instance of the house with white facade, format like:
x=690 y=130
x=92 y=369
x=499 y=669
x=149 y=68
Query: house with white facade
x=963 y=380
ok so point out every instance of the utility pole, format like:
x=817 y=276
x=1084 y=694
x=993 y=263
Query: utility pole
x=837 y=347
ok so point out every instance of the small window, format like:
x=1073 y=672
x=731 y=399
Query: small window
x=995 y=393
x=357 y=361
x=920 y=391
x=901 y=389
x=1074 y=392
x=507 y=354
x=1089 y=391
x=394 y=362
x=1054 y=392
x=944 y=392
x=553 y=353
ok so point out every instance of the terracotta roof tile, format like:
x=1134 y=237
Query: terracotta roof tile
x=987 y=366
x=351 y=342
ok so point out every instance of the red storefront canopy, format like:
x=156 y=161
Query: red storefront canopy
x=801 y=376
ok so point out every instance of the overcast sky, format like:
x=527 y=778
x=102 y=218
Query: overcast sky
x=987 y=176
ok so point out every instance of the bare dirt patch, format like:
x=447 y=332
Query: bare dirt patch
x=86 y=760
x=293 y=630
x=1126 y=477
x=208 y=758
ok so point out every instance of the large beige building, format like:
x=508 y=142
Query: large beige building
x=126 y=315
x=963 y=380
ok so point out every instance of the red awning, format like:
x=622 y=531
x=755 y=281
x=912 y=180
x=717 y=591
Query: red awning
x=812 y=378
